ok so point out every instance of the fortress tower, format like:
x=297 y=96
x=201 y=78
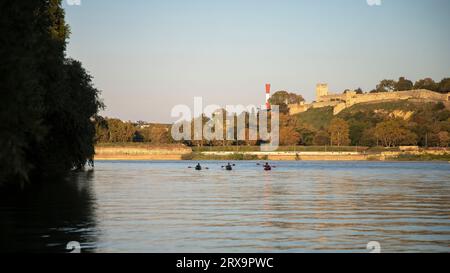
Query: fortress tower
x=321 y=90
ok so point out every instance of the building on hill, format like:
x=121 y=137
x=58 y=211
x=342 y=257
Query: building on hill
x=346 y=100
x=321 y=90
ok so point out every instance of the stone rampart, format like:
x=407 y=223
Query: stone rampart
x=351 y=98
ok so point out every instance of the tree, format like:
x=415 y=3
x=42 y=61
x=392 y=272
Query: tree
x=48 y=101
x=289 y=136
x=359 y=91
x=339 y=132
x=386 y=86
x=357 y=128
x=160 y=135
x=322 y=138
x=101 y=130
x=444 y=86
x=427 y=83
x=120 y=132
x=307 y=133
x=444 y=138
x=369 y=138
x=404 y=84
x=71 y=128
x=284 y=98
x=392 y=133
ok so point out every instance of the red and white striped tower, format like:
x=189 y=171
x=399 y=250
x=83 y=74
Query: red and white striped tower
x=268 y=87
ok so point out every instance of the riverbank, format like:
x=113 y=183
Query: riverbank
x=143 y=152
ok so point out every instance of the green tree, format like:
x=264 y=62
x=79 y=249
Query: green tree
x=444 y=86
x=359 y=91
x=427 y=83
x=284 y=98
x=357 y=128
x=386 y=86
x=101 y=130
x=404 y=84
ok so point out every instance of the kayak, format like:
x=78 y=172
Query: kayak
x=267 y=168
x=229 y=168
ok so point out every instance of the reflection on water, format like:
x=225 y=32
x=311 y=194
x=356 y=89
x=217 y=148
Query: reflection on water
x=299 y=207
x=47 y=218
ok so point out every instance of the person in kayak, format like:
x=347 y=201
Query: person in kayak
x=198 y=167
x=229 y=167
x=267 y=167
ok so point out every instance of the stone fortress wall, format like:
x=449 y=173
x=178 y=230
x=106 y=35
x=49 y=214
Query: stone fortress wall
x=340 y=102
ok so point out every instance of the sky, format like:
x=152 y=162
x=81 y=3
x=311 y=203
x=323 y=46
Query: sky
x=148 y=56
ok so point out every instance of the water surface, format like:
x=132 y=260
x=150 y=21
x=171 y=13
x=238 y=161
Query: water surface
x=298 y=207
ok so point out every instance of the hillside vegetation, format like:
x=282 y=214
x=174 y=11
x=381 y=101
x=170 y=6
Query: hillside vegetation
x=386 y=123
x=317 y=118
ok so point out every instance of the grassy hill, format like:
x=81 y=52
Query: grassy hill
x=428 y=121
x=318 y=118
x=407 y=105
x=321 y=118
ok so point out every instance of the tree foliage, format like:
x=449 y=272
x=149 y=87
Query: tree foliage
x=427 y=83
x=116 y=131
x=284 y=98
x=386 y=86
x=393 y=133
x=403 y=84
x=444 y=86
x=47 y=100
x=339 y=132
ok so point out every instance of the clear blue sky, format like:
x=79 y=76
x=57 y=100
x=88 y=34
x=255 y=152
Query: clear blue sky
x=147 y=56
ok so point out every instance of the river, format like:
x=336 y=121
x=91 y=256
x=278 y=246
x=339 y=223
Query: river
x=298 y=207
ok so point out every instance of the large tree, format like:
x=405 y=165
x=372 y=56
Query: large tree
x=427 y=83
x=322 y=138
x=339 y=132
x=404 y=84
x=444 y=85
x=47 y=100
x=284 y=98
x=289 y=136
x=393 y=133
x=386 y=86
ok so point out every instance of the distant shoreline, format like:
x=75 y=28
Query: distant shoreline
x=180 y=152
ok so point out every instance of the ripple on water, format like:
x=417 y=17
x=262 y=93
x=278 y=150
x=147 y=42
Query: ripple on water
x=298 y=207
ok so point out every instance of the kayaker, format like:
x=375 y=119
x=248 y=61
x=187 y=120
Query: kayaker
x=267 y=167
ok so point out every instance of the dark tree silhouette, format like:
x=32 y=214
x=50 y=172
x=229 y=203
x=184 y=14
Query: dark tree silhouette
x=48 y=101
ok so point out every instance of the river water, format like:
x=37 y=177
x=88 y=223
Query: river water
x=298 y=207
